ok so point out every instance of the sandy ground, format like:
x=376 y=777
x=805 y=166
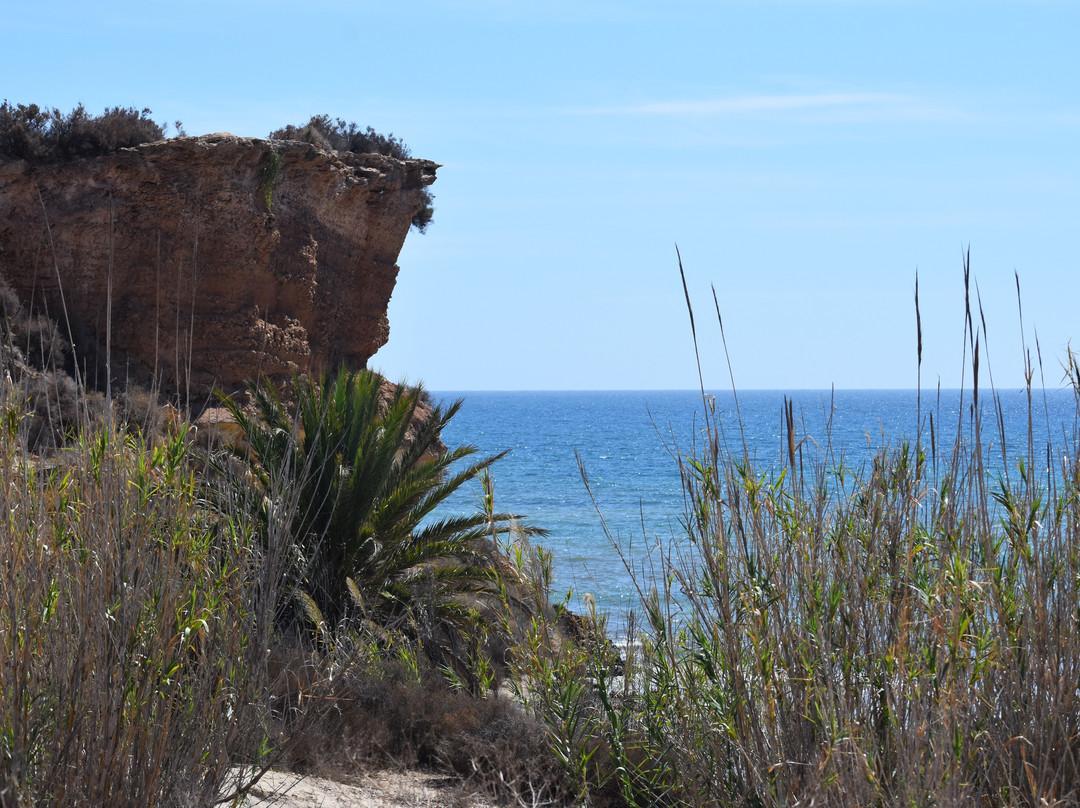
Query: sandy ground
x=410 y=789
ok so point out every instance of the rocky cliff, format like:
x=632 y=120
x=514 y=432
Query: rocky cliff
x=205 y=261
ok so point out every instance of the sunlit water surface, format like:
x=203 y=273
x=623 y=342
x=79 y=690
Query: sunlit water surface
x=627 y=440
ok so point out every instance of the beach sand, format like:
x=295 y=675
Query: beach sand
x=380 y=789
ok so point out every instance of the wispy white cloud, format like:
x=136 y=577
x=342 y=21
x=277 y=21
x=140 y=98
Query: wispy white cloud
x=747 y=103
x=848 y=107
x=556 y=11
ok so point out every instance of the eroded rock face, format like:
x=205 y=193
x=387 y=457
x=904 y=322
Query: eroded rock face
x=209 y=285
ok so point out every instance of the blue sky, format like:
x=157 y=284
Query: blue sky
x=807 y=157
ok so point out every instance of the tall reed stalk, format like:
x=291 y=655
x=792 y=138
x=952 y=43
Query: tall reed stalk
x=134 y=626
x=905 y=633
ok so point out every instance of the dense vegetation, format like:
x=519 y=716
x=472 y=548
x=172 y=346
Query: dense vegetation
x=337 y=135
x=907 y=633
x=160 y=645
x=175 y=619
x=40 y=135
x=131 y=668
x=366 y=473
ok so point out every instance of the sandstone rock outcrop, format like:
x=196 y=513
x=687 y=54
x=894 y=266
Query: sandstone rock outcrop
x=205 y=261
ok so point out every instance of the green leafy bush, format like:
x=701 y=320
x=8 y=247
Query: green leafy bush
x=268 y=176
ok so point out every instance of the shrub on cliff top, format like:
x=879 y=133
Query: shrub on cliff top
x=341 y=136
x=29 y=132
x=337 y=135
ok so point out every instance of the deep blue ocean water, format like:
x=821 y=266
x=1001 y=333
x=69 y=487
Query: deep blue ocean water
x=625 y=441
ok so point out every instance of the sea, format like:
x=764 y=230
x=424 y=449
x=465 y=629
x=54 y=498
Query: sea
x=626 y=445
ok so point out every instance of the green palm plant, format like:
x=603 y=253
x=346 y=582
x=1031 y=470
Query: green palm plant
x=364 y=463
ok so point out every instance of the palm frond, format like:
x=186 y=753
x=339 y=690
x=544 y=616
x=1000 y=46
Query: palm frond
x=369 y=471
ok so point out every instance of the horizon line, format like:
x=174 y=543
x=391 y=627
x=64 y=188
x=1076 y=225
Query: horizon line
x=715 y=390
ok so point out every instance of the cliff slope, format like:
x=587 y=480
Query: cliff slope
x=205 y=261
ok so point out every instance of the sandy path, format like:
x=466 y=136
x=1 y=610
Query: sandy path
x=410 y=789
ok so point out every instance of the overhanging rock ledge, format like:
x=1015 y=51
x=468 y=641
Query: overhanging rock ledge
x=206 y=261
